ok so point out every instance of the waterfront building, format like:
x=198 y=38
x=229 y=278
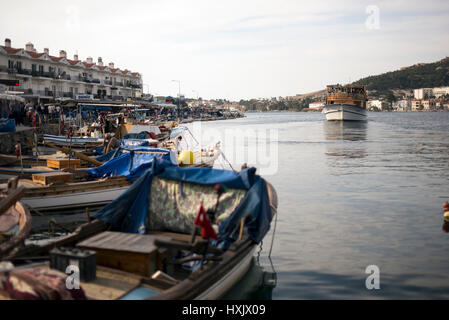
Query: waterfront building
x=440 y=92
x=379 y=104
x=46 y=77
x=428 y=105
x=316 y=105
x=416 y=105
x=423 y=93
x=402 y=105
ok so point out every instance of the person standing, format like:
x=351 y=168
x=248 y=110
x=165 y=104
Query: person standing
x=4 y=108
x=45 y=113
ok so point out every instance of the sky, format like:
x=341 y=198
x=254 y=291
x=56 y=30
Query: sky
x=236 y=49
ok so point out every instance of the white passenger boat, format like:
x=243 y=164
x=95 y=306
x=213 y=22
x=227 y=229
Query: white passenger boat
x=345 y=103
x=345 y=112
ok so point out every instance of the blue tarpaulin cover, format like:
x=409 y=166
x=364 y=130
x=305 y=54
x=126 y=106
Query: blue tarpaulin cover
x=134 y=143
x=7 y=125
x=128 y=212
x=142 y=159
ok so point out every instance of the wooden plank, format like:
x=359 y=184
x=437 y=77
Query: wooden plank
x=76 y=154
x=121 y=241
x=172 y=235
x=52 y=177
x=63 y=163
x=135 y=253
x=112 y=182
x=11 y=199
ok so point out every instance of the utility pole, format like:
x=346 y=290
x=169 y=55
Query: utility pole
x=179 y=95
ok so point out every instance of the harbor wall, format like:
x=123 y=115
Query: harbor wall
x=23 y=135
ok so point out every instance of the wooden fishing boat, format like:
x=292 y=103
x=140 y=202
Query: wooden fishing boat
x=73 y=141
x=197 y=156
x=66 y=195
x=205 y=157
x=161 y=256
x=345 y=103
x=7 y=159
x=15 y=221
x=71 y=195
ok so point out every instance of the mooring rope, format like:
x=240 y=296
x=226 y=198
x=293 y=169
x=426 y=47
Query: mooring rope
x=272 y=238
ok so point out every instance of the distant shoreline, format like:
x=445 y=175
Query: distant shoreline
x=309 y=111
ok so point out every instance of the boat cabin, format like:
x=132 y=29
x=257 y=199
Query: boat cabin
x=349 y=94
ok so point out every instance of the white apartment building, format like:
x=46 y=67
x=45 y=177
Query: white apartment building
x=379 y=104
x=426 y=93
x=316 y=105
x=439 y=92
x=423 y=93
x=402 y=105
x=44 y=76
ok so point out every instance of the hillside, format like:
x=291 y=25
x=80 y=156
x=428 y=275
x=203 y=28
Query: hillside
x=423 y=75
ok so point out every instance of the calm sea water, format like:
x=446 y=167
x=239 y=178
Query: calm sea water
x=353 y=195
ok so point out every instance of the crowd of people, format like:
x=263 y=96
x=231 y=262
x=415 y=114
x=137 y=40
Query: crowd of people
x=27 y=113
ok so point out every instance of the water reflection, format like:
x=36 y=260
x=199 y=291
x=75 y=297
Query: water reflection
x=446 y=217
x=345 y=130
x=445 y=226
x=341 y=132
x=256 y=284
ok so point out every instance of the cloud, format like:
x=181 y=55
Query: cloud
x=237 y=49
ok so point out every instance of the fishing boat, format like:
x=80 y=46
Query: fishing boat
x=190 y=153
x=15 y=221
x=147 y=245
x=74 y=191
x=73 y=141
x=345 y=103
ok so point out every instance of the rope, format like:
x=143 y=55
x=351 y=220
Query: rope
x=222 y=154
x=272 y=238
x=260 y=250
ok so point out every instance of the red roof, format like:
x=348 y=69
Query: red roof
x=11 y=50
x=56 y=59
x=35 y=54
x=72 y=62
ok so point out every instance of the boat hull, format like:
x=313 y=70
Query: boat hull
x=220 y=287
x=63 y=141
x=74 y=200
x=341 y=112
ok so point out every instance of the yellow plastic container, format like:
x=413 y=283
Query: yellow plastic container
x=186 y=157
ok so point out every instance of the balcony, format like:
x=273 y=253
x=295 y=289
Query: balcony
x=63 y=76
x=132 y=84
x=42 y=74
x=87 y=79
x=24 y=72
